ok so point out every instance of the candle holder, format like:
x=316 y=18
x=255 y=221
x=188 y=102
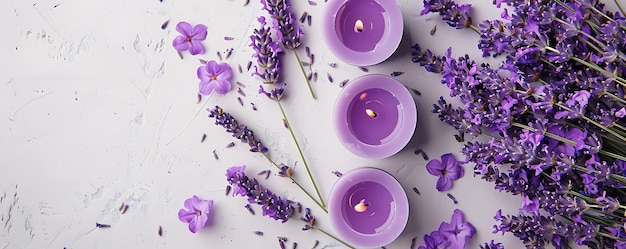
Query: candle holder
x=362 y=32
x=368 y=208
x=375 y=116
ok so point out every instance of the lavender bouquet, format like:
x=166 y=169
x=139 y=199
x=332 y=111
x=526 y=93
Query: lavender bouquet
x=552 y=112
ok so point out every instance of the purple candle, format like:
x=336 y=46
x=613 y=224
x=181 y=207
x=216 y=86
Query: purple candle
x=375 y=116
x=368 y=208
x=362 y=32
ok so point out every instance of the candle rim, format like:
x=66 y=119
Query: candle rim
x=386 y=47
x=403 y=133
x=395 y=189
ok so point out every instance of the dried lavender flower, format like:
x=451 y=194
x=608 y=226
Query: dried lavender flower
x=239 y=131
x=287 y=31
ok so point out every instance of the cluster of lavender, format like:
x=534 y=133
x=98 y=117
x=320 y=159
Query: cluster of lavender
x=554 y=110
x=266 y=51
x=238 y=131
x=273 y=205
x=287 y=31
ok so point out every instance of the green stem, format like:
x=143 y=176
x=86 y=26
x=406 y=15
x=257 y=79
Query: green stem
x=612 y=155
x=306 y=165
x=614 y=97
x=618 y=79
x=610 y=236
x=547 y=134
x=476 y=29
x=334 y=237
x=616 y=177
x=594 y=123
x=304 y=73
x=297 y=184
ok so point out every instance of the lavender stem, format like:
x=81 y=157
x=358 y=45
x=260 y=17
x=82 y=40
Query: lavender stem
x=304 y=73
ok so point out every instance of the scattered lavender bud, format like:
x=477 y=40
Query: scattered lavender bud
x=228 y=38
x=416 y=191
x=215 y=155
x=227 y=191
x=246 y=2
x=121 y=207
x=418 y=93
x=241 y=92
x=344 y=82
x=315 y=76
x=337 y=173
x=299 y=207
x=229 y=53
x=219 y=55
x=312 y=58
x=333 y=65
x=180 y=55
x=397 y=73
x=259 y=233
x=124 y=209
x=330 y=78
x=413 y=242
x=285 y=123
x=203 y=138
x=230 y=145
x=312 y=3
x=303 y=17
x=160 y=231
x=382 y=247
x=249 y=65
x=295 y=245
x=460 y=138
x=283 y=239
x=433 y=30
x=98 y=225
x=364 y=69
x=241 y=84
x=309 y=76
x=239 y=67
x=164 y=25
x=253 y=106
x=417 y=152
x=452 y=198
x=262 y=172
x=308 y=51
x=281 y=244
x=308 y=20
x=240 y=101
x=317 y=242
x=305 y=64
x=204 y=62
x=249 y=208
x=267 y=175
x=199 y=98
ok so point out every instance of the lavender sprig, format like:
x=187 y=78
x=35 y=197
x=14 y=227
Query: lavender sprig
x=287 y=30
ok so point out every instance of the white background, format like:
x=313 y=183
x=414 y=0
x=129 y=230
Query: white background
x=97 y=109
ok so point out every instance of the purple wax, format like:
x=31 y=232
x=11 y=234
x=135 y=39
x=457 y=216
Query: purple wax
x=379 y=211
x=362 y=32
x=373 y=115
x=360 y=25
x=368 y=208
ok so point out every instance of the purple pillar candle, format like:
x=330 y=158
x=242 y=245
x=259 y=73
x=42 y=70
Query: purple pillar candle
x=362 y=32
x=375 y=116
x=368 y=208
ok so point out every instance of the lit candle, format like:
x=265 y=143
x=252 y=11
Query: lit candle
x=368 y=208
x=375 y=116
x=362 y=32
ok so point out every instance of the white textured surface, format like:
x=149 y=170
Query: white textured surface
x=97 y=109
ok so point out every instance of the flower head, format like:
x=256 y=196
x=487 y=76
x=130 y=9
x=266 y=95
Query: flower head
x=435 y=241
x=458 y=230
x=196 y=212
x=239 y=131
x=214 y=76
x=190 y=38
x=448 y=170
x=287 y=31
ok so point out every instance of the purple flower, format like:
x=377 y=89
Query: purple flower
x=573 y=134
x=196 y=212
x=530 y=205
x=190 y=38
x=448 y=170
x=287 y=31
x=239 y=131
x=214 y=76
x=266 y=52
x=435 y=241
x=457 y=231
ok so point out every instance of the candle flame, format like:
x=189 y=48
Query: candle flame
x=358 y=26
x=370 y=113
x=361 y=207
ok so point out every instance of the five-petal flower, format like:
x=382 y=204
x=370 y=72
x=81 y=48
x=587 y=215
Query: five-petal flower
x=196 y=212
x=190 y=38
x=214 y=76
x=448 y=170
x=457 y=231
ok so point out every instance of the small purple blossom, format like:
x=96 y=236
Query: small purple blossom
x=197 y=213
x=214 y=77
x=448 y=170
x=458 y=230
x=287 y=31
x=190 y=38
x=435 y=241
x=239 y=131
x=530 y=205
